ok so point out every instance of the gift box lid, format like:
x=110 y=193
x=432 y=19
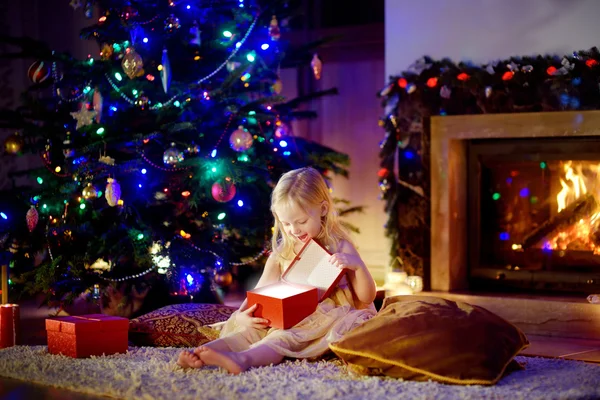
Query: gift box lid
x=87 y=323
x=312 y=267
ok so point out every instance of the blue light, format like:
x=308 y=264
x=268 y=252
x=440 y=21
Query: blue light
x=218 y=263
x=190 y=279
x=264 y=46
x=113 y=108
x=237 y=45
x=145 y=40
x=139 y=185
x=144 y=171
x=213 y=153
x=240 y=203
x=4 y=216
x=504 y=236
x=282 y=143
x=188 y=7
x=286 y=153
x=409 y=155
x=509 y=180
x=524 y=192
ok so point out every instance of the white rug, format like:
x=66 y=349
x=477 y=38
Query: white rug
x=151 y=373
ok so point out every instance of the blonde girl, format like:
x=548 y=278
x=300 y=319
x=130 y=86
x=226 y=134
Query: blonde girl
x=303 y=209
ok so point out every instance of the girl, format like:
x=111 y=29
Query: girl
x=303 y=209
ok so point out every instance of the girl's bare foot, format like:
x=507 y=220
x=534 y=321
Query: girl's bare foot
x=225 y=360
x=188 y=359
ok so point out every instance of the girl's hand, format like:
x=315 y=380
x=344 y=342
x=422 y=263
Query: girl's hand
x=344 y=260
x=247 y=319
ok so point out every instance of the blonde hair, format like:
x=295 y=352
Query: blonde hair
x=305 y=188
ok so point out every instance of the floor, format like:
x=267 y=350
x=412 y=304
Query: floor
x=33 y=333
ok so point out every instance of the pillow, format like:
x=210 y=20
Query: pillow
x=178 y=325
x=422 y=338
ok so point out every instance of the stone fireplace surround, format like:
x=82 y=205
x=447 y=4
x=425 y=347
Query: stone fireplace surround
x=449 y=136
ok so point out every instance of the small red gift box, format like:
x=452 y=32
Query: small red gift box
x=87 y=335
x=9 y=325
x=309 y=279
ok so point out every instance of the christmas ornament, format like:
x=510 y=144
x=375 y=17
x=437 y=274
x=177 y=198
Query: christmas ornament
x=172 y=24
x=32 y=218
x=223 y=191
x=89 y=192
x=97 y=104
x=165 y=72
x=233 y=65
x=223 y=278
x=132 y=63
x=445 y=92
x=106 y=52
x=274 y=31
x=277 y=86
x=84 y=116
x=14 y=144
x=76 y=4
x=282 y=130
x=193 y=148
x=240 y=139
x=172 y=156
x=38 y=72
x=142 y=101
x=195 y=34
x=488 y=91
x=112 y=192
x=106 y=160
x=317 y=66
x=68 y=151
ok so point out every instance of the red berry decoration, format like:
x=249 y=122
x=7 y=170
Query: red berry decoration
x=38 y=72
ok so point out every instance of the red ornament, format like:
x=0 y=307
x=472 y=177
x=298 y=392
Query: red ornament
x=463 y=76
x=32 y=218
x=551 y=70
x=432 y=82
x=223 y=191
x=508 y=75
x=402 y=83
x=591 y=62
x=38 y=72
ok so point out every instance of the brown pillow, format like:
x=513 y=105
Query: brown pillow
x=178 y=325
x=421 y=338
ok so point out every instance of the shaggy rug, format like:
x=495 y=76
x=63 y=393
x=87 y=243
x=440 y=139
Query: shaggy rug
x=151 y=373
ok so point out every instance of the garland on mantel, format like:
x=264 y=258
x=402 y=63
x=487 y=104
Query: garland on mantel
x=428 y=88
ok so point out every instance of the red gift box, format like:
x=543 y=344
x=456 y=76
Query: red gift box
x=87 y=335
x=309 y=279
x=9 y=325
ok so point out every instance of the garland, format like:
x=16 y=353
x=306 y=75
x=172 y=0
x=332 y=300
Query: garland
x=429 y=88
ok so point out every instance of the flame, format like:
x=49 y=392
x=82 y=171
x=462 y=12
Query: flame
x=573 y=184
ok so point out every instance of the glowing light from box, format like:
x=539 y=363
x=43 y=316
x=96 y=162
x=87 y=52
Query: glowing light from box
x=281 y=290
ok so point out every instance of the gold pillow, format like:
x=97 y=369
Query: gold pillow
x=178 y=325
x=421 y=338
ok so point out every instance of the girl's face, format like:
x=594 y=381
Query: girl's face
x=298 y=224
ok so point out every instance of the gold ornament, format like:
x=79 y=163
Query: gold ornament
x=317 y=66
x=89 y=192
x=106 y=52
x=132 y=63
x=277 y=86
x=13 y=144
x=223 y=279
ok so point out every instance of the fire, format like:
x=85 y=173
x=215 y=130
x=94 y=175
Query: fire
x=582 y=235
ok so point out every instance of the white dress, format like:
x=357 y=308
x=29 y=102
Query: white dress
x=335 y=316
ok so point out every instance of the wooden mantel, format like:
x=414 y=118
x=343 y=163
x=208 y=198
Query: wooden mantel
x=449 y=136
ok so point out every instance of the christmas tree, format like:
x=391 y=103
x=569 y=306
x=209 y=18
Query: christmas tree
x=159 y=153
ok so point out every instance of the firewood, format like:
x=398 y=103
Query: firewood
x=584 y=207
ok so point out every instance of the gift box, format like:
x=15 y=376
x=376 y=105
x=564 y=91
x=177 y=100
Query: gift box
x=309 y=279
x=9 y=325
x=87 y=335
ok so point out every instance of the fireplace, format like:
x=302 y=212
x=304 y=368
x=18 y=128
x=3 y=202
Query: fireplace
x=533 y=214
x=508 y=207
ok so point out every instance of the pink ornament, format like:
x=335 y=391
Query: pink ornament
x=32 y=218
x=223 y=191
x=240 y=139
x=97 y=103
